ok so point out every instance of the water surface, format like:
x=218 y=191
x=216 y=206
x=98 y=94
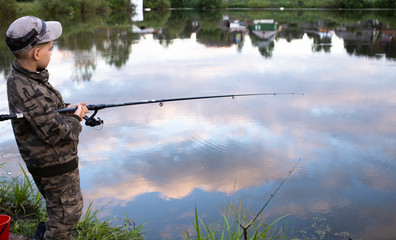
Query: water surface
x=153 y=164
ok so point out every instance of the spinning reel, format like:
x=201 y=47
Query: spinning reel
x=92 y=121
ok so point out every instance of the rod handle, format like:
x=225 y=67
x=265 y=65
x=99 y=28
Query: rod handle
x=4 y=117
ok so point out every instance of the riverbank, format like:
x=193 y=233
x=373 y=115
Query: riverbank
x=20 y=199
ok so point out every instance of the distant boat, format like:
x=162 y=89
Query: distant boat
x=321 y=33
x=237 y=26
x=264 y=25
x=264 y=28
x=136 y=29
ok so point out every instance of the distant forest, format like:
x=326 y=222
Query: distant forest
x=213 y=4
x=13 y=7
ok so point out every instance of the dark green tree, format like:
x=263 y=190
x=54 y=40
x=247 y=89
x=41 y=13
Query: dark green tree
x=8 y=8
x=178 y=3
x=192 y=3
x=156 y=4
x=6 y=57
x=349 y=3
x=120 y=5
x=385 y=3
x=83 y=6
x=56 y=6
x=210 y=4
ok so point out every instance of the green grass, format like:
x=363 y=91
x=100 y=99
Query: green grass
x=235 y=226
x=20 y=199
x=89 y=227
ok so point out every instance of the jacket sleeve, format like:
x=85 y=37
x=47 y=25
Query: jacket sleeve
x=45 y=122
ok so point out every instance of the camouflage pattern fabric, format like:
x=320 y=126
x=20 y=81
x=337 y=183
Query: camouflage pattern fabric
x=44 y=137
x=47 y=139
x=64 y=204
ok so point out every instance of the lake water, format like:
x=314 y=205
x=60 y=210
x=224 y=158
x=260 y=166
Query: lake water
x=154 y=164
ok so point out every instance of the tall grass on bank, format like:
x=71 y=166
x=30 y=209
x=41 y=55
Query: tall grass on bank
x=237 y=224
x=20 y=199
x=230 y=227
x=90 y=227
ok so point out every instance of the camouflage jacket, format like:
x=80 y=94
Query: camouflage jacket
x=46 y=139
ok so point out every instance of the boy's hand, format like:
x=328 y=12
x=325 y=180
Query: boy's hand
x=81 y=110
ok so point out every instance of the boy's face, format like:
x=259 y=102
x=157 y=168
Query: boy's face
x=45 y=53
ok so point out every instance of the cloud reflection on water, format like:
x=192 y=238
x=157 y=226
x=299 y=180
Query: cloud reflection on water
x=211 y=158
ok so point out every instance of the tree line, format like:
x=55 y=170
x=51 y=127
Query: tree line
x=79 y=7
x=216 y=4
x=11 y=7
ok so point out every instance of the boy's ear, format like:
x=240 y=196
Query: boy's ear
x=36 y=54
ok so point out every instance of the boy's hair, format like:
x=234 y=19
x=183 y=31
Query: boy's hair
x=26 y=32
x=22 y=56
x=26 y=54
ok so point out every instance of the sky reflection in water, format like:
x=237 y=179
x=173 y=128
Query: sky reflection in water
x=154 y=163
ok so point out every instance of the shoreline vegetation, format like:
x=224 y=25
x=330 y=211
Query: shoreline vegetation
x=20 y=199
x=13 y=8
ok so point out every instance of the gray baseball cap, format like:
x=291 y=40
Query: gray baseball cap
x=26 y=32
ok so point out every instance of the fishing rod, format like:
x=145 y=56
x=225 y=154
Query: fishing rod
x=245 y=228
x=92 y=121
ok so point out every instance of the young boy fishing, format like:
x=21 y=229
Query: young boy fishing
x=47 y=140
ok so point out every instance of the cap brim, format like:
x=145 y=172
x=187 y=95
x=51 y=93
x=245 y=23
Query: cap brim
x=52 y=32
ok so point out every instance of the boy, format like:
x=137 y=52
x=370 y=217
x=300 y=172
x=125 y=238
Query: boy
x=47 y=140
